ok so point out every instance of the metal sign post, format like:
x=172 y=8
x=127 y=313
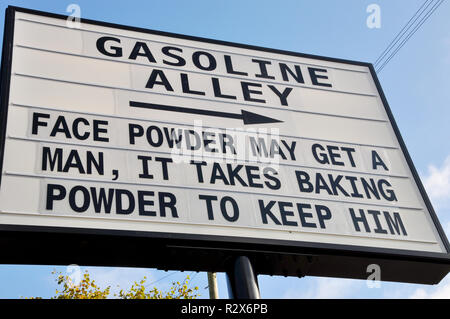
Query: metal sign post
x=212 y=285
x=242 y=280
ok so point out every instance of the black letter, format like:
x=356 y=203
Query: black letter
x=145 y=172
x=133 y=133
x=218 y=92
x=64 y=129
x=323 y=159
x=349 y=151
x=283 y=96
x=322 y=217
x=86 y=199
x=119 y=208
x=377 y=161
x=185 y=85
x=199 y=170
x=159 y=134
x=196 y=59
x=92 y=161
x=284 y=213
x=389 y=192
x=152 y=80
x=361 y=219
x=246 y=92
x=229 y=66
x=397 y=223
x=76 y=133
x=298 y=76
x=37 y=123
x=143 y=202
x=169 y=204
x=57 y=159
x=314 y=76
x=101 y=200
x=379 y=229
x=166 y=51
x=277 y=183
x=333 y=155
x=98 y=130
x=223 y=208
x=302 y=179
x=117 y=51
x=303 y=215
x=51 y=196
x=135 y=53
x=164 y=162
x=265 y=211
x=209 y=208
x=263 y=68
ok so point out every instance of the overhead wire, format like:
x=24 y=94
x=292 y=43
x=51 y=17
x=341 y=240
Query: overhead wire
x=401 y=32
x=423 y=15
x=164 y=277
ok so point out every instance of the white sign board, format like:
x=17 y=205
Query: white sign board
x=119 y=129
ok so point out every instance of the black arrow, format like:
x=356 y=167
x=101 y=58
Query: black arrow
x=247 y=117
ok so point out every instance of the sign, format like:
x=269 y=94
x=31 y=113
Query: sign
x=124 y=130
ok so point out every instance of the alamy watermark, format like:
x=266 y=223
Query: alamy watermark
x=374 y=279
x=73 y=20
x=373 y=21
x=229 y=145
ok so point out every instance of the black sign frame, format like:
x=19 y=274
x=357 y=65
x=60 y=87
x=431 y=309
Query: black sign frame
x=67 y=245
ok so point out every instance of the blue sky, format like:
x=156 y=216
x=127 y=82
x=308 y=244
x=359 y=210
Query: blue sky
x=415 y=82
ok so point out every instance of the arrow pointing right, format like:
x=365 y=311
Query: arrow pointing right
x=253 y=118
x=246 y=116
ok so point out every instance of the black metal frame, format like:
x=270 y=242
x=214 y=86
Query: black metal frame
x=68 y=245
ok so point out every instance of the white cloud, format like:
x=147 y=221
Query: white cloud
x=440 y=292
x=437 y=183
x=334 y=288
x=326 y=288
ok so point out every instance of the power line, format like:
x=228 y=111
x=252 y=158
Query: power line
x=164 y=277
x=411 y=34
x=405 y=29
x=173 y=273
x=408 y=26
x=402 y=31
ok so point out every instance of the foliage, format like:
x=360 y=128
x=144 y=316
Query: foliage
x=177 y=291
x=88 y=289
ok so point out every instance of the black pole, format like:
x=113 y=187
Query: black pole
x=242 y=281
